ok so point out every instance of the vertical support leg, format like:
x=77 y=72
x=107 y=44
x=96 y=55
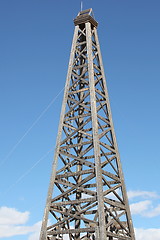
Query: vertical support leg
x=101 y=212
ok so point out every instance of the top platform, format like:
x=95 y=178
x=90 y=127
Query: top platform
x=85 y=16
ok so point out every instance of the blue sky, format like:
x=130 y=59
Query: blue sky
x=35 y=42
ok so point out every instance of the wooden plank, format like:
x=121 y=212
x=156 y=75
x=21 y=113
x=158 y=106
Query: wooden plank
x=104 y=132
x=80 y=66
x=99 y=92
x=114 y=203
x=78 y=116
x=73 y=202
x=106 y=192
x=76 y=145
x=80 y=43
x=118 y=236
x=68 y=231
x=74 y=173
x=78 y=91
x=103 y=119
x=107 y=146
x=111 y=175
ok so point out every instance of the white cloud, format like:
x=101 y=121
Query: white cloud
x=143 y=194
x=35 y=235
x=140 y=207
x=12 y=230
x=147 y=234
x=145 y=209
x=154 y=212
x=12 y=216
x=12 y=223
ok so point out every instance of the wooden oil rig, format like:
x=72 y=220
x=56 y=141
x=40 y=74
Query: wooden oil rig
x=87 y=198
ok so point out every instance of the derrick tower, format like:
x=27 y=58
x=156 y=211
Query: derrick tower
x=87 y=197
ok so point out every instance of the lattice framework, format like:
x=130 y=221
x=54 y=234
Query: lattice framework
x=89 y=200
